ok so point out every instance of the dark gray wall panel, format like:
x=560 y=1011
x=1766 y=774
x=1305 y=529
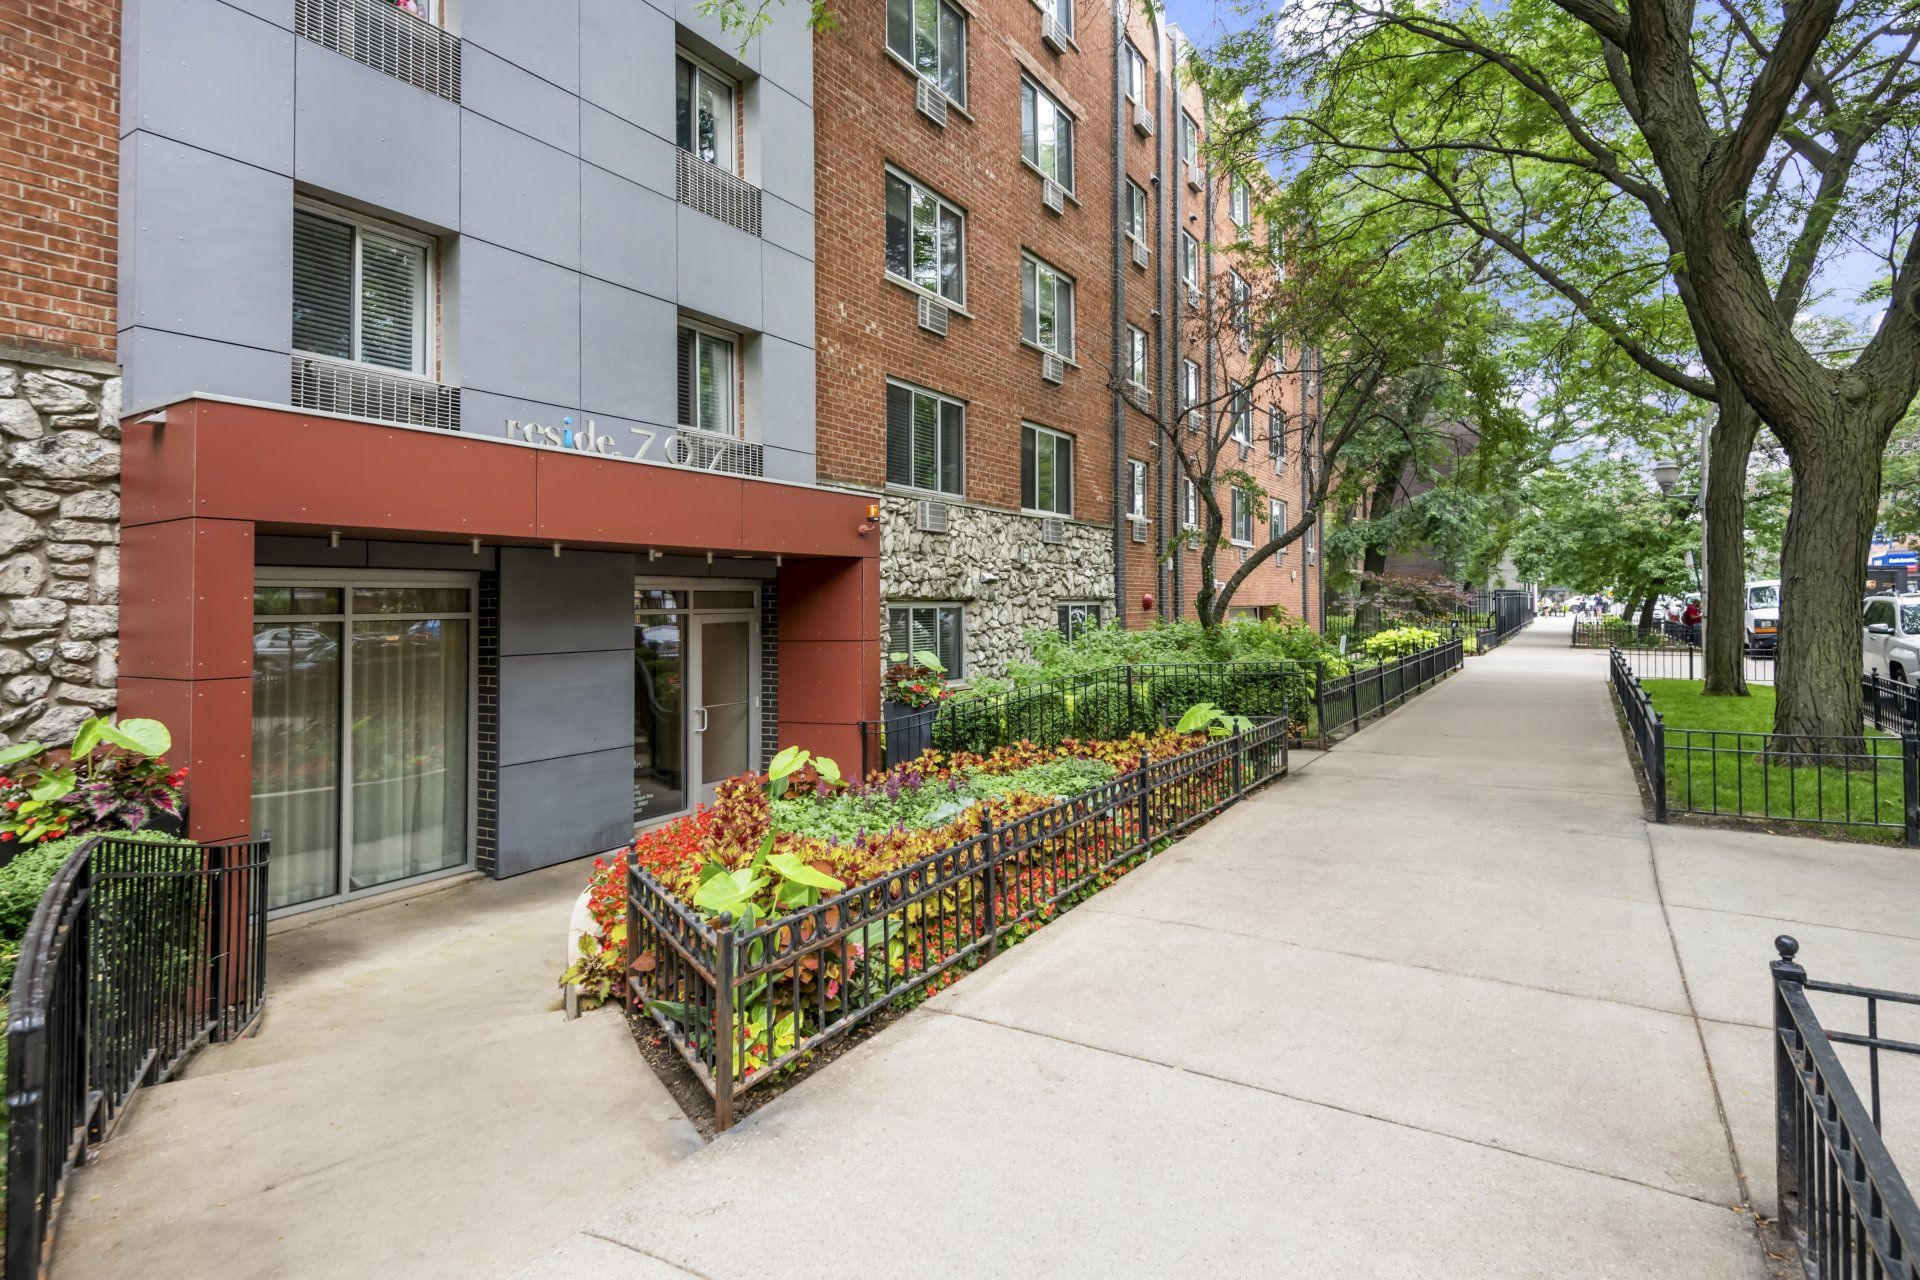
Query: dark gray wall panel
x=565 y=704
x=375 y=139
x=556 y=810
x=570 y=603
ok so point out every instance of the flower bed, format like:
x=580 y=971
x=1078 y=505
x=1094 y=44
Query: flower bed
x=882 y=891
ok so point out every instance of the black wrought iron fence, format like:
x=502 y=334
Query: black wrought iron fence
x=740 y=1004
x=1109 y=703
x=1889 y=705
x=1843 y=1201
x=1346 y=702
x=1868 y=781
x=1609 y=633
x=1688 y=663
x=139 y=953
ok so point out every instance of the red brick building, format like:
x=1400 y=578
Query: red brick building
x=1002 y=325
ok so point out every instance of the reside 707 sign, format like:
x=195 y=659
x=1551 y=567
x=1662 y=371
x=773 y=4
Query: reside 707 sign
x=649 y=444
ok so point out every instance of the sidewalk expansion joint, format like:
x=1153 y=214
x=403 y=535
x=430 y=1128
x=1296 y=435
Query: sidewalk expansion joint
x=1270 y=1091
x=665 y=1262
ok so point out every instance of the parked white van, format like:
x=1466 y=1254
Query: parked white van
x=1890 y=637
x=1763 y=615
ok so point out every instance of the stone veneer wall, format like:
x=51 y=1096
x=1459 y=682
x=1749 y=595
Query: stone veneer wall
x=1034 y=578
x=59 y=546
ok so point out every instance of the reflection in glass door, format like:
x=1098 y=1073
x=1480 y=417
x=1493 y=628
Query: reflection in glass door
x=659 y=709
x=362 y=725
x=723 y=713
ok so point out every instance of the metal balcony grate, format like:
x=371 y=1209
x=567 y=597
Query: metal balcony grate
x=723 y=455
x=381 y=397
x=717 y=193
x=390 y=40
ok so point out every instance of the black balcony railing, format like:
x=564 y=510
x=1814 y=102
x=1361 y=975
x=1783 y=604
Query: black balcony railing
x=139 y=953
x=1843 y=1202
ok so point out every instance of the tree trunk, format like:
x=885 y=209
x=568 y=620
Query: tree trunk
x=1836 y=495
x=1646 y=612
x=1729 y=447
x=1379 y=502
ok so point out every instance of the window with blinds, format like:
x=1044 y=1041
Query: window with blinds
x=708 y=389
x=361 y=292
x=926 y=439
x=914 y=629
x=1046 y=470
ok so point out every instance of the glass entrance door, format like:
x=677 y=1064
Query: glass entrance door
x=362 y=732
x=725 y=656
x=696 y=705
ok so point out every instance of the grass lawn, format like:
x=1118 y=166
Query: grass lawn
x=1717 y=763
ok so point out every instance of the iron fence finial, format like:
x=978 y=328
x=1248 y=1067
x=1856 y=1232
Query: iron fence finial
x=1787 y=946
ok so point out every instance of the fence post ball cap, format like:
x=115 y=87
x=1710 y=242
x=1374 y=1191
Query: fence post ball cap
x=1787 y=947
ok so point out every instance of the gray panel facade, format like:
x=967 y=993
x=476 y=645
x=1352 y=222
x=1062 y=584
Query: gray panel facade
x=565 y=259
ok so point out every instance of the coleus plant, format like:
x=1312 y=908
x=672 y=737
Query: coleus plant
x=113 y=776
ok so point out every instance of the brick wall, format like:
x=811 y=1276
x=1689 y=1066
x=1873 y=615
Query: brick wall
x=59 y=169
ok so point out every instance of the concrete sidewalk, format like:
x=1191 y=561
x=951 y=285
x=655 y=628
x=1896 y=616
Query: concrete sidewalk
x=413 y=1106
x=1441 y=1004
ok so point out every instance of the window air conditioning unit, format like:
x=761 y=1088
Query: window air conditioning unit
x=1141 y=254
x=933 y=317
x=1052 y=34
x=1052 y=368
x=1193 y=175
x=1141 y=397
x=930 y=516
x=1053 y=531
x=1192 y=293
x=1142 y=120
x=1139 y=530
x=1246 y=341
x=931 y=101
x=1053 y=195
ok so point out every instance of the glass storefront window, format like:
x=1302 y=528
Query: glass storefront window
x=659 y=709
x=281 y=601
x=412 y=600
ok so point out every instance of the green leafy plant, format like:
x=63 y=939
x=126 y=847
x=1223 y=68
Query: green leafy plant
x=1204 y=717
x=914 y=680
x=112 y=776
x=596 y=973
x=1399 y=642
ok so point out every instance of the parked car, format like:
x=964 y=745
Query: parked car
x=1890 y=637
x=1763 y=615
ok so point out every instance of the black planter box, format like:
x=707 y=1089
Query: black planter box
x=909 y=731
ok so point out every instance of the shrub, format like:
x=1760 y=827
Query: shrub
x=24 y=881
x=1399 y=642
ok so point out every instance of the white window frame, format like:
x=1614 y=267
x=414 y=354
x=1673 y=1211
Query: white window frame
x=1239 y=202
x=958 y=671
x=1190 y=260
x=1189 y=503
x=1277 y=436
x=736 y=135
x=428 y=327
x=1062 y=11
x=1139 y=233
x=735 y=409
x=913 y=24
x=1189 y=387
x=1240 y=409
x=1063 y=119
x=1060 y=277
x=1136 y=489
x=1136 y=75
x=944 y=399
x=1073 y=477
x=1313 y=551
x=915 y=186
x=1277 y=522
x=1139 y=358
x=1241 y=294
x=1239 y=512
x=1189 y=139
